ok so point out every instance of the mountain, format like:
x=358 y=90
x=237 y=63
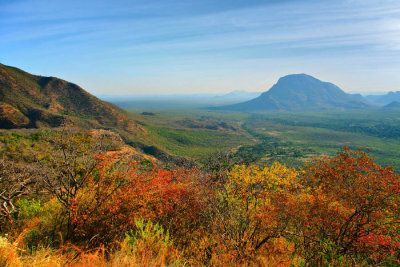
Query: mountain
x=300 y=92
x=384 y=99
x=31 y=101
x=393 y=105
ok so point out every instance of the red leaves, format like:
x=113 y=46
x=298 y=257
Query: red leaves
x=120 y=192
x=380 y=247
x=345 y=206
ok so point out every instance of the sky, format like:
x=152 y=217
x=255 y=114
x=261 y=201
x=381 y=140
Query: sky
x=203 y=46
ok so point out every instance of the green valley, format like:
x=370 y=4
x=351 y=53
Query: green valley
x=291 y=138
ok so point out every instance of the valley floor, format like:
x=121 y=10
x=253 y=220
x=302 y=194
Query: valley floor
x=290 y=138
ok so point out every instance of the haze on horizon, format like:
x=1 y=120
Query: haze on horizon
x=208 y=46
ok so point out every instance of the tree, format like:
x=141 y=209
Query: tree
x=119 y=191
x=15 y=181
x=67 y=168
x=348 y=208
x=246 y=212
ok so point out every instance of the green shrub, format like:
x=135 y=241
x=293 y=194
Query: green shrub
x=148 y=234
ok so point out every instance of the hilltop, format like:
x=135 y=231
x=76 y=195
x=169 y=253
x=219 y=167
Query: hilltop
x=298 y=92
x=31 y=101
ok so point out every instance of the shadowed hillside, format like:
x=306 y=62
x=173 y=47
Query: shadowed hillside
x=30 y=101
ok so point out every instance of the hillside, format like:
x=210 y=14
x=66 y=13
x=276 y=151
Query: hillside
x=31 y=101
x=298 y=92
x=393 y=105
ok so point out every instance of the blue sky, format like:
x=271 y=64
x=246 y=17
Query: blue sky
x=210 y=46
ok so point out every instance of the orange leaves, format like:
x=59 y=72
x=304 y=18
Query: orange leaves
x=121 y=191
x=335 y=211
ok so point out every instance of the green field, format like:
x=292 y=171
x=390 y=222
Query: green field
x=196 y=133
x=326 y=133
x=292 y=138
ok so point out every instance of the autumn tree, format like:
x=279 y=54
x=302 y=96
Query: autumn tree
x=66 y=168
x=247 y=212
x=120 y=191
x=348 y=210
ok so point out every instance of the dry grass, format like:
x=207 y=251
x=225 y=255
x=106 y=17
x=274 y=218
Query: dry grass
x=12 y=256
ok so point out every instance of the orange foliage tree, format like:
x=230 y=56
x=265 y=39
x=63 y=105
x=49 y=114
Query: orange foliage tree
x=120 y=192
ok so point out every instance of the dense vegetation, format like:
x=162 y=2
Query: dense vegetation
x=324 y=133
x=73 y=197
x=288 y=137
x=221 y=188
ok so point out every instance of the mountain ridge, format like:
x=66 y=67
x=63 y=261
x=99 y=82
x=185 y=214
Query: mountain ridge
x=385 y=98
x=33 y=101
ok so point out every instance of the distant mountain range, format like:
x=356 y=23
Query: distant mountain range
x=384 y=99
x=30 y=101
x=174 y=101
x=237 y=94
x=299 y=92
x=294 y=92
